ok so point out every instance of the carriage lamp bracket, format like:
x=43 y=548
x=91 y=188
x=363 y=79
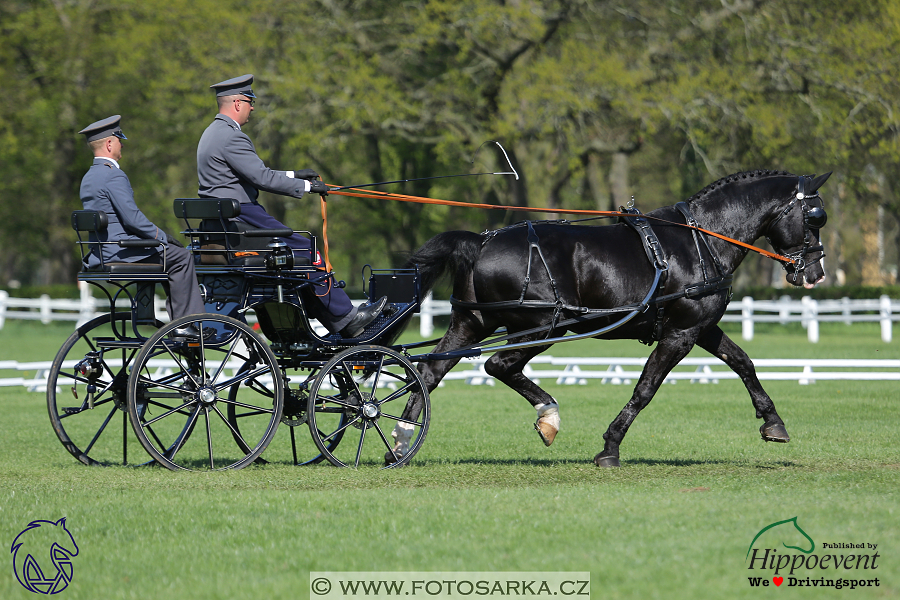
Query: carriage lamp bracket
x=90 y=367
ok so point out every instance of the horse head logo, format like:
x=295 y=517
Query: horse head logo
x=786 y=530
x=40 y=545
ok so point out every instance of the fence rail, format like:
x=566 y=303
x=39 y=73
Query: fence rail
x=747 y=311
x=577 y=371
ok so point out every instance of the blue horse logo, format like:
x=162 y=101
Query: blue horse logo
x=40 y=545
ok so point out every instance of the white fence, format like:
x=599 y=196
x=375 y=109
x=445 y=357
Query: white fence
x=746 y=311
x=577 y=371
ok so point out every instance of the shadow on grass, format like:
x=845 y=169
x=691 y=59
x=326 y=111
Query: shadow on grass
x=651 y=462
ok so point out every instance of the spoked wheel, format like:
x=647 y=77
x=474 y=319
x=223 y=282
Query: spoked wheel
x=86 y=388
x=299 y=449
x=183 y=385
x=361 y=394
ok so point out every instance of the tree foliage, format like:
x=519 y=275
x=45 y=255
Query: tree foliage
x=594 y=101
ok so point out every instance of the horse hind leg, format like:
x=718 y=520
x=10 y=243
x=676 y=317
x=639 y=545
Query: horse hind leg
x=464 y=330
x=507 y=366
x=722 y=347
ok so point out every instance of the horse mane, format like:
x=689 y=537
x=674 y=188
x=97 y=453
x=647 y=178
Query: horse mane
x=758 y=174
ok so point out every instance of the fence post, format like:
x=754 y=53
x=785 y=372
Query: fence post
x=847 y=311
x=426 y=318
x=159 y=309
x=747 y=318
x=4 y=296
x=886 y=325
x=86 y=304
x=784 y=310
x=810 y=318
x=46 y=312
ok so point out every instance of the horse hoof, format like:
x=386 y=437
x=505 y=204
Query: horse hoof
x=389 y=458
x=606 y=461
x=546 y=431
x=774 y=433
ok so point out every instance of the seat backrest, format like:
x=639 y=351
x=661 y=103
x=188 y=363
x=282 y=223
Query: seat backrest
x=206 y=208
x=89 y=220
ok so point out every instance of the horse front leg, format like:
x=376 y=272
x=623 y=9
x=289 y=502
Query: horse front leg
x=668 y=353
x=722 y=347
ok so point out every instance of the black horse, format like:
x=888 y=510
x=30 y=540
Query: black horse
x=542 y=279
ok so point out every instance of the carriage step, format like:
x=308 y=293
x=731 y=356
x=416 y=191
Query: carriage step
x=117 y=343
x=72 y=410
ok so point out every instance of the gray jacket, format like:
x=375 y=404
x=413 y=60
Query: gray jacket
x=228 y=166
x=106 y=187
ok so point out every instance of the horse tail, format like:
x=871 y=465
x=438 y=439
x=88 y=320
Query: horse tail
x=449 y=252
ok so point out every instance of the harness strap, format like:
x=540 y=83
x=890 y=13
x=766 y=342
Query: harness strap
x=634 y=219
x=534 y=244
x=692 y=291
x=654 y=252
x=685 y=210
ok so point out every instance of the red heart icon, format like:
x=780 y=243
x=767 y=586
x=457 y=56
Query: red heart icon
x=778 y=580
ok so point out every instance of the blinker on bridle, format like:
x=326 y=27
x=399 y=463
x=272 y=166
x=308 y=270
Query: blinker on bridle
x=814 y=217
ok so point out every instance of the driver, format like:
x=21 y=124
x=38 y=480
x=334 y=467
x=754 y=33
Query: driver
x=228 y=167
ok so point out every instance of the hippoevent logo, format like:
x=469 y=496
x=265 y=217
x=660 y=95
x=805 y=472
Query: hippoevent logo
x=782 y=553
x=42 y=556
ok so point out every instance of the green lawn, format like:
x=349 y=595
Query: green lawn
x=697 y=484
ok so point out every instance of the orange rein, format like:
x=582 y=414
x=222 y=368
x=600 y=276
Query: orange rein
x=601 y=213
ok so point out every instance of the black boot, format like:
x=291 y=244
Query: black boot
x=364 y=315
x=191 y=333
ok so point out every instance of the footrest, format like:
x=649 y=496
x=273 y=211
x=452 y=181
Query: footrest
x=117 y=343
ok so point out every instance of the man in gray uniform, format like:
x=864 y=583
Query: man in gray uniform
x=106 y=187
x=228 y=167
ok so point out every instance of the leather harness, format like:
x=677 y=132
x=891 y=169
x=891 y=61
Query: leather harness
x=655 y=254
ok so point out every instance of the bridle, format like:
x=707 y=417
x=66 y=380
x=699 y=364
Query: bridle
x=814 y=217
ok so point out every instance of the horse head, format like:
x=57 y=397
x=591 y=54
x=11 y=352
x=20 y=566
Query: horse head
x=782 y=532
x=794 y=232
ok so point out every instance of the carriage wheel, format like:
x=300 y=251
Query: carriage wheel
x=86 y=388
x=301 y=450
x=182 y=386
x=360 y=394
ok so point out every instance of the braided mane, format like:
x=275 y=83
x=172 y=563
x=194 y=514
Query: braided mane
x=735 y=177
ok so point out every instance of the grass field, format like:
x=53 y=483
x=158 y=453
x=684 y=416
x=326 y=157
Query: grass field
x=697 y=484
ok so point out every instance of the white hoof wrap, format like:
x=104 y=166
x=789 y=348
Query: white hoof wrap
x=547 y=424
x=402 y=435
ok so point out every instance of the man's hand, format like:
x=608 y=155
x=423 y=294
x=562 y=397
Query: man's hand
x=305 y=174
x=174 y=242
x=317 y=187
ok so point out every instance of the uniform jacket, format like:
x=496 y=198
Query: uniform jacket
x=106 y=187
x=228 y=166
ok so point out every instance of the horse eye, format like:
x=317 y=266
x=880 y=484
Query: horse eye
x=816 y=217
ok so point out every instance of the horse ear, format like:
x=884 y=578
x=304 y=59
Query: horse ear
x=816 y=183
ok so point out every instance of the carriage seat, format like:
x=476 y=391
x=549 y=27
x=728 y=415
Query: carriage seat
x=223 y=240
x=120 y=268
x=95 y=222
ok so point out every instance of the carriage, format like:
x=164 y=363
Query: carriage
x=216 y=401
